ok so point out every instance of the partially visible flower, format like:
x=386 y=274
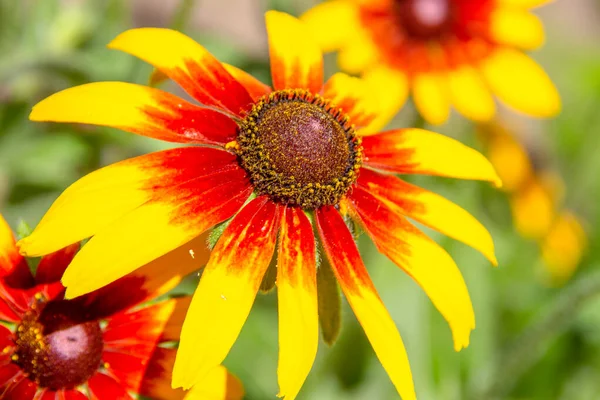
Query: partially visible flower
x=536 y=193
x=446 y=52
x=104 y=345
x=277 y=170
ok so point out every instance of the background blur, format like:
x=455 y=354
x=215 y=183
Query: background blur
x=538 y=318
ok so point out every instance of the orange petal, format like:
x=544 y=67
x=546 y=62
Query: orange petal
x=429 y=209
x=52 y=266
x=421 y=258
x=255 y=88
x=297 y=298
x=101 y=198
x=226 y=291
x=13 y=267
x=353 y=97
x=296 y=60
x=416 y=151
x=187 y=63
x=362 y=296
x=137 y=109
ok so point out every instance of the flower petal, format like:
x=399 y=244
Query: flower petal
x=218 y=385
x=156 y=383
x=153 y=230
x=564 y=246
x=73 y=394
x=104 y=387
x=255 y=88
x=226 y=291
x=362 y=296
x=431 y=97
x=25 y=389
x=521 y=83
x=130 y=340
x=150 y=281
x=429 y=209
x=516 y=27
x=332 y=23
x=421 y=258
x=354 y=98
x=99 y=199
x=52 y=266
x=137 y=109
x=13 y=267
x=297 y=301
x=523 y=3
x=390 y=88
x=470 y=95
x=296 y=60
x=187 y=63
x=416 y=151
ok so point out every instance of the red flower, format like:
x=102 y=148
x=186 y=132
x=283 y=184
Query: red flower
x=103 y=345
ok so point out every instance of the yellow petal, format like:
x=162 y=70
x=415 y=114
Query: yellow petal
x=362 y=296
x=523 y=3
x=296 y=59
x=9 y=256
x=470 y=95
x=421 y=258
x=297 y=300
x=102 y=197
x=510 y=159
x=417 y=151
x=533 y=210
x=218 y=384
x=517 y=27
x=429 y=209
x=138 y=109
x=332 y=23
x=358 y=53
x=431 y=98
x=354 y=98
x=226 y=291
x=187 y=63
x=390 y=89
x=521 y=83
x=564 y=246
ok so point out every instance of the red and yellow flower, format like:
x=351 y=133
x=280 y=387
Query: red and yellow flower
x=102 y=345
x=275 y=169
x=447 y=53
x=536 y=194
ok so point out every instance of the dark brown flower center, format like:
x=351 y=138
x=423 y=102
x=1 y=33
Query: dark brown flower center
x=425 y=19
x=56 y=347
x=298 y=149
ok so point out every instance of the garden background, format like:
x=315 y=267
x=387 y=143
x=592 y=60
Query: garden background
x=538 y=328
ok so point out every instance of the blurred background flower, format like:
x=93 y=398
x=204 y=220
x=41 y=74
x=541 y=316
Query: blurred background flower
x=533 y=340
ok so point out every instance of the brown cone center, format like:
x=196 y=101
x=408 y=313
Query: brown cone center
x=56 y=347
x=304 y=142
x=425 y=19
x=299 y=149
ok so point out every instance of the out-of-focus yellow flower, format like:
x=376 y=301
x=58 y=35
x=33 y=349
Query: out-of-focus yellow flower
x=447 y=53
x=536 y=195
x=564 y=246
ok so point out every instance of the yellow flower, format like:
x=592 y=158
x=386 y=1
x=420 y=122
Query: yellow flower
x=274 y=168
x=446 y=52
x=535 y=196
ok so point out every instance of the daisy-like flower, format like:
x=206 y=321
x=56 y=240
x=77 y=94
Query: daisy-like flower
x=101 y=346
x=447 y=53
x=277 y=168
x=536 y=195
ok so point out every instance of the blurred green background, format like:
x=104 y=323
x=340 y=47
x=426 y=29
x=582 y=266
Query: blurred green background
x=534 y=340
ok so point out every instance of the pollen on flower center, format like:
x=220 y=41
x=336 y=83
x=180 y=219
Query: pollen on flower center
x=298 y=149
x=56 y=347
x=424 y=19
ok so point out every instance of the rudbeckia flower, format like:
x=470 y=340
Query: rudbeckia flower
x=536 y=193
x=274 y=169
x=101 y=346
x=447 y=53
